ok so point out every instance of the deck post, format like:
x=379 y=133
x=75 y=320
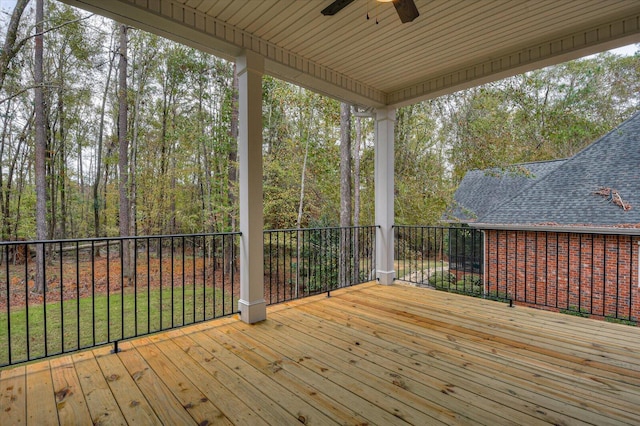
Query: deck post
x=384 y=193
x=250 y=68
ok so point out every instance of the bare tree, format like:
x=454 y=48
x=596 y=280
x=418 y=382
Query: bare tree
x=99 y=148
x=233 y=170
x=303 y=173
x=356 y=194
x=123 y=156
x=41 y=148
x=345 y=189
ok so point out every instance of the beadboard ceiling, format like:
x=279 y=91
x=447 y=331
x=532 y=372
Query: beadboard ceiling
x=453 y=44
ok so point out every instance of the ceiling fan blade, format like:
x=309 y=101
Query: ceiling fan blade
x=336 y=7
x=407 y=10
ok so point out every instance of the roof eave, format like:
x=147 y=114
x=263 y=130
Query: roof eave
x=608 y=230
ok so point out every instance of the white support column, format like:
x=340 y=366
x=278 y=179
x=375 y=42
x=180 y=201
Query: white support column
x=384 y=187
x=251 y=305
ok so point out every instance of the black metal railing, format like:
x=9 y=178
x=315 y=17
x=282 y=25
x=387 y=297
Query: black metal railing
x=575 y=273
x=303 y=262
x=445 y=258
x=91 y=292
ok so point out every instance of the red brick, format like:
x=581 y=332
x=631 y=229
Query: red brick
x=567 y=270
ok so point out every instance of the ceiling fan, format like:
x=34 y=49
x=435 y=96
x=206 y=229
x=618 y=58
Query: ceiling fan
x=407 y=10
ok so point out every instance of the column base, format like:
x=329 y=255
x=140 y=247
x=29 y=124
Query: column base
x=252 y=312
x=386 y=277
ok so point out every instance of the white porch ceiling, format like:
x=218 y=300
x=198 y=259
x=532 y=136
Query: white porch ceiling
x=452 y=45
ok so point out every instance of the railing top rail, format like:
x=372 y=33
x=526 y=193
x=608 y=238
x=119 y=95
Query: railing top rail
x=428 y=226
x=321 y=228
x=631 y=232
x=102 y=239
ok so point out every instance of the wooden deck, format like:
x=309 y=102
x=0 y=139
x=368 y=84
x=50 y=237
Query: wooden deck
x=367 y=355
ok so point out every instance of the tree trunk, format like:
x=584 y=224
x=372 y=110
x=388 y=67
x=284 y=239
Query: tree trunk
x=5 y=190
x=356 y=196
x=96 y=183
x=345 y=165
x=9 y=48
x=24 y=164
x=356 y=172
x=123 y=155
x=205 y=162
x=233 y=149
x=17 y=161
x=133 y=224
x=345 y=191
x=301 y=202
x=84 y=220
x=167 y=103
x=233 y=171
x=40 y=142
x=62 y=172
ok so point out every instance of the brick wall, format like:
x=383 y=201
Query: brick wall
x=591 y=273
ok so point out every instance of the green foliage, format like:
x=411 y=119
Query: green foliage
x=471 y=280
x=298 y=120
x=574 y=311
x=442 y=280
x=544 y=114
x=422 y=187
x=470 y=284
x=624 y=321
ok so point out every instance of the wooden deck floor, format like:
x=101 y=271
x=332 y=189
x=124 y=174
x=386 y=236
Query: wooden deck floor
x=367 y=355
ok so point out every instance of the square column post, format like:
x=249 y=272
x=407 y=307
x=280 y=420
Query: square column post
x=252 y=306
x=384 y=193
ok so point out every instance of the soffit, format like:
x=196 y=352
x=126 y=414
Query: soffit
x=453 y=44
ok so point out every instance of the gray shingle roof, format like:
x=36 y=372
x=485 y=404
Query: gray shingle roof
x=481 y=191
x=565 y=195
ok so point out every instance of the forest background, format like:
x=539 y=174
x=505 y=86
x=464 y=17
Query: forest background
x=168 y=165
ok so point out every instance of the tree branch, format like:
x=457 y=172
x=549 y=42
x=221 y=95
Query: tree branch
x=26 y=89
x=57 y=27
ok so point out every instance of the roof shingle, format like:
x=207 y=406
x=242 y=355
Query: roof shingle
x=566 y=193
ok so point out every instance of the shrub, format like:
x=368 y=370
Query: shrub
x=472 y=285
x=625 y=321
x=441 y=279
x=475 y=280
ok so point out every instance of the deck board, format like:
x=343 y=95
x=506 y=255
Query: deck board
x=168 y=409
x=380 y=401
x=377 y=372
x=40 y=389
x=405 y=369
x=13 y=396
x=369 y=354
x=575 y=337
x=179 y=381
x=264 y=362
x=70 y=401
x=103 y=408
x=510 y=389
x=132 y=402
x=269 y=410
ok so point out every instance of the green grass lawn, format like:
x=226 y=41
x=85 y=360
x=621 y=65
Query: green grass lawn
x=92 y=321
